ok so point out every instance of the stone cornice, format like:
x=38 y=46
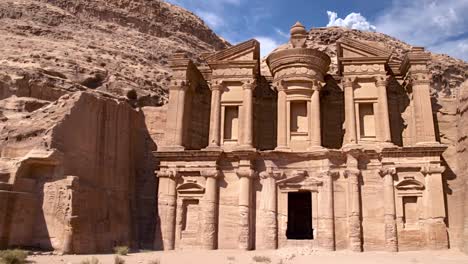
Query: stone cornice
x=298 y=57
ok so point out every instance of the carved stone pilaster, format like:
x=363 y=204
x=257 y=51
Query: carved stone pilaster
x=248 y=87
x=354 y=216
x=245 y=175
x=209 y=207
x=167 y=199
x=434 y=216
x=268 y=206
x=391 y=236
x=326 y=234
x=217 y=88
x=350 y=118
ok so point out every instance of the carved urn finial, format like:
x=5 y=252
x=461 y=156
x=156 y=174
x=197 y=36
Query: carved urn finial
x=298 y=35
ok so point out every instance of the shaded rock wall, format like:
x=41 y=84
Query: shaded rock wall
x=104 y=145
x=462 y=152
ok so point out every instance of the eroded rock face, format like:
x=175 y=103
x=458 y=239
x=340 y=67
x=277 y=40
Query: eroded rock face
x=51 y=47
x=77 y=161
x=462 y=154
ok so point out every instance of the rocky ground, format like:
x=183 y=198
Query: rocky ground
x=284 y=256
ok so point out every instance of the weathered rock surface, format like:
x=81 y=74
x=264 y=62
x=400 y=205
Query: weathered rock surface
x=76 y=162
x=51 y=47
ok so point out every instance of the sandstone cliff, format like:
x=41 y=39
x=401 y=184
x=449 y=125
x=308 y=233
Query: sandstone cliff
x=73 y=165
x=50 y=47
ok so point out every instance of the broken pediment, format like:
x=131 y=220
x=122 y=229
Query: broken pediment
x=190 y=188
x=350 y=48
x=245 y=51
x=410 y=184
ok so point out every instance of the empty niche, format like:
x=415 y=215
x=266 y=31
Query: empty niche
x=299 y=123
x=366 y=120
x=231 y=122
x=190 y=218
x=410 y=211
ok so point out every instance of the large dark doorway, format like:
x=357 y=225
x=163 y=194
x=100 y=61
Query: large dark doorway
x=299 y=216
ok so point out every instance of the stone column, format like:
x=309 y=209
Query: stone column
x=175 y=115
x=167 y=199
x=215 y=115
x=422 y=108
x=350 y=112
x=354 y=216
x=384 y=117
x=247 y=130
x=282 y=119
x=210 y=210
x=435 y=229
x=326 y=234
x=269 y=208
x=315 y=133
x=245 y=175
x=391 y=236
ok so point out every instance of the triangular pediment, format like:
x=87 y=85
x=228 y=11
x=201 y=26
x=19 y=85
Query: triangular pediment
x=351 y=48
x=245 y=51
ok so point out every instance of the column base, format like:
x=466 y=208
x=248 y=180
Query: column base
x=213 y=148
x=283 y=148
x=428 y=144
x=171 y=148
x=316 y=149
x=245 y=148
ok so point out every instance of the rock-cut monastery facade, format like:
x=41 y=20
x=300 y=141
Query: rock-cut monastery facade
x=295 y=156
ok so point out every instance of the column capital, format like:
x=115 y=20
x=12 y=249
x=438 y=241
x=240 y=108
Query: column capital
x=245 y=172
x=179 y=85
x=381 y=80
x=210 y=173
x=317 y=85
x=271 y=173
x=419 y=79
x=217 y=85
x=348 y=81
x=428 y=169
x=352 y=172
x=279 y=86
x=326 y=173
x=168 y=173
x=387 y=171
x=249 y=84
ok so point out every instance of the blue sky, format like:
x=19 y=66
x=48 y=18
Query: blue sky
x=439 y=25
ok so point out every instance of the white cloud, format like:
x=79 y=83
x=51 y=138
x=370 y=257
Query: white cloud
x=267 y=45
x=353 y=21
x=282 y=33
x=213 y=20
x=456 y=48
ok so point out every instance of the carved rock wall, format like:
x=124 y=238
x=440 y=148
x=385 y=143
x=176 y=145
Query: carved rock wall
x=462 y=152
x=106 y=147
